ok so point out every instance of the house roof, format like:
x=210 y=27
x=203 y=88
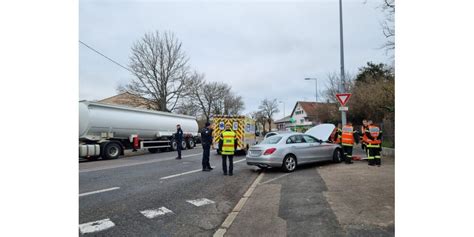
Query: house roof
x=283 y=120
x=128 y=99
x=309 y=107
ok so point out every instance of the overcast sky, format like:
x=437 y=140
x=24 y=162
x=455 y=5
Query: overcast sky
x=261 y=49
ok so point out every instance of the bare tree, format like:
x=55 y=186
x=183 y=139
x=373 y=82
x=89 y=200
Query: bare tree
x=233 y=104
x=268 y=109
x=259 y=118
x=161 y=70
x=207 y=96
x=388 y=26
x=333 y=86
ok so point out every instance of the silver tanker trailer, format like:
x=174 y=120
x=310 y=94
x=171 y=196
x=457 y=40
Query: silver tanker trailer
x=107 y=130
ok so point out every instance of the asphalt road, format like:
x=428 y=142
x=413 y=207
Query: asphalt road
x=147 y=195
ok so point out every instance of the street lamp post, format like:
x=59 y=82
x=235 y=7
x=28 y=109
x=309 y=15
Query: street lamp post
x=283 y=107
x=316 y=87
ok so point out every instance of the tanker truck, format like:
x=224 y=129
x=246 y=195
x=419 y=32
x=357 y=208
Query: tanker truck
x=108 y=130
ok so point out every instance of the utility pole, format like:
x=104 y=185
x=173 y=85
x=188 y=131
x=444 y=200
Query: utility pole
x=343 y=89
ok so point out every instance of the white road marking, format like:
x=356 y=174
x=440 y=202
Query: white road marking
x=176 y=175
x=268 y=181
x=134 y=163
x=156 y=212
x=190 y=172
x=98 y=191
x=231 y=217
x=200 y=202
x=95 y=226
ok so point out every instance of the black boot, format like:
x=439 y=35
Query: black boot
x=371 y=162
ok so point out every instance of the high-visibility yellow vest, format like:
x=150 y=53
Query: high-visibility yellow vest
x=228 y=143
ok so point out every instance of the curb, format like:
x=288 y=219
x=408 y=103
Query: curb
x=233 y=214
x=388 y=151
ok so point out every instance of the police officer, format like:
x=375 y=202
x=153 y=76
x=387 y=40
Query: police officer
x=179 y=139
x=228 y=145
x=206 y=140
x=373 y=141
x=347 y=142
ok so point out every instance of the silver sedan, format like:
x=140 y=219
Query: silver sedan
x=291 y=149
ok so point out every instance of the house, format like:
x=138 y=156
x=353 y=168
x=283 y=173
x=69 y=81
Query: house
x=307 y=114
x=283 y=123
x=130 y=100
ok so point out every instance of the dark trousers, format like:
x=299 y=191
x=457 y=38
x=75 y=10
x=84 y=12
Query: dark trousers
x=179 y=148
x=373 y=154
x=347 y=153
x=231 y=163
x=205 y=156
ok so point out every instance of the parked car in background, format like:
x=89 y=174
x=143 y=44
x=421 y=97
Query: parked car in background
x=269 y=134
x=290 y=149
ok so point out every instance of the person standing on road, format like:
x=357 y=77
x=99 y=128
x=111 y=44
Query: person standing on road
x=362 y=131
x=228 y=145
x=179 y=140
x=336 y=134
x=374 y=142
x=206 y=140
x=347 y=142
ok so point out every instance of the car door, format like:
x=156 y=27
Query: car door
x=314 y=148
x=301 y=149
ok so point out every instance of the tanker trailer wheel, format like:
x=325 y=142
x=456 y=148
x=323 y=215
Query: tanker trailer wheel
x=190 y=143
x=173 y=145
x=183 y=145
x=111 y=150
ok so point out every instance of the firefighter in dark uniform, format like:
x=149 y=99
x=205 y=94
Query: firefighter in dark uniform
x=179 y=140
x=227 y=145
x=374 y=142
x=206 y=140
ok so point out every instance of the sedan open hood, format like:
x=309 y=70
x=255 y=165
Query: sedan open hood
x=321 y=131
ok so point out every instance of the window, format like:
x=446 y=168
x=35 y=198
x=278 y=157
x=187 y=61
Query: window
x=301 y=120
x=291 y=140
x=271 y=140
x=310 y=139
x=299 y=139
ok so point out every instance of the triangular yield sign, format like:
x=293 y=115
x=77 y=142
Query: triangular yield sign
x=343 y=98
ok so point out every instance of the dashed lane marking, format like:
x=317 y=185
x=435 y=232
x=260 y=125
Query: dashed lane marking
x=152 y=213
x=134 y=163
x=96 y=226
x=200 y=202
x=98 y=191
x=176 y=175
x=190 y=172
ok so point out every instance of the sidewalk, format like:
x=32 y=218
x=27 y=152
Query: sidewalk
x=321 y=200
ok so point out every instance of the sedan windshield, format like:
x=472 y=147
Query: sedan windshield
x=271 y=140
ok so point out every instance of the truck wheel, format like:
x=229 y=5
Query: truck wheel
x=153 y=150
x=183 y=145
x=191 y=144
x=112 y=150
x=173 y=145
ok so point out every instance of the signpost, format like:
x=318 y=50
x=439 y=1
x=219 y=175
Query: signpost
x=343 y=98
